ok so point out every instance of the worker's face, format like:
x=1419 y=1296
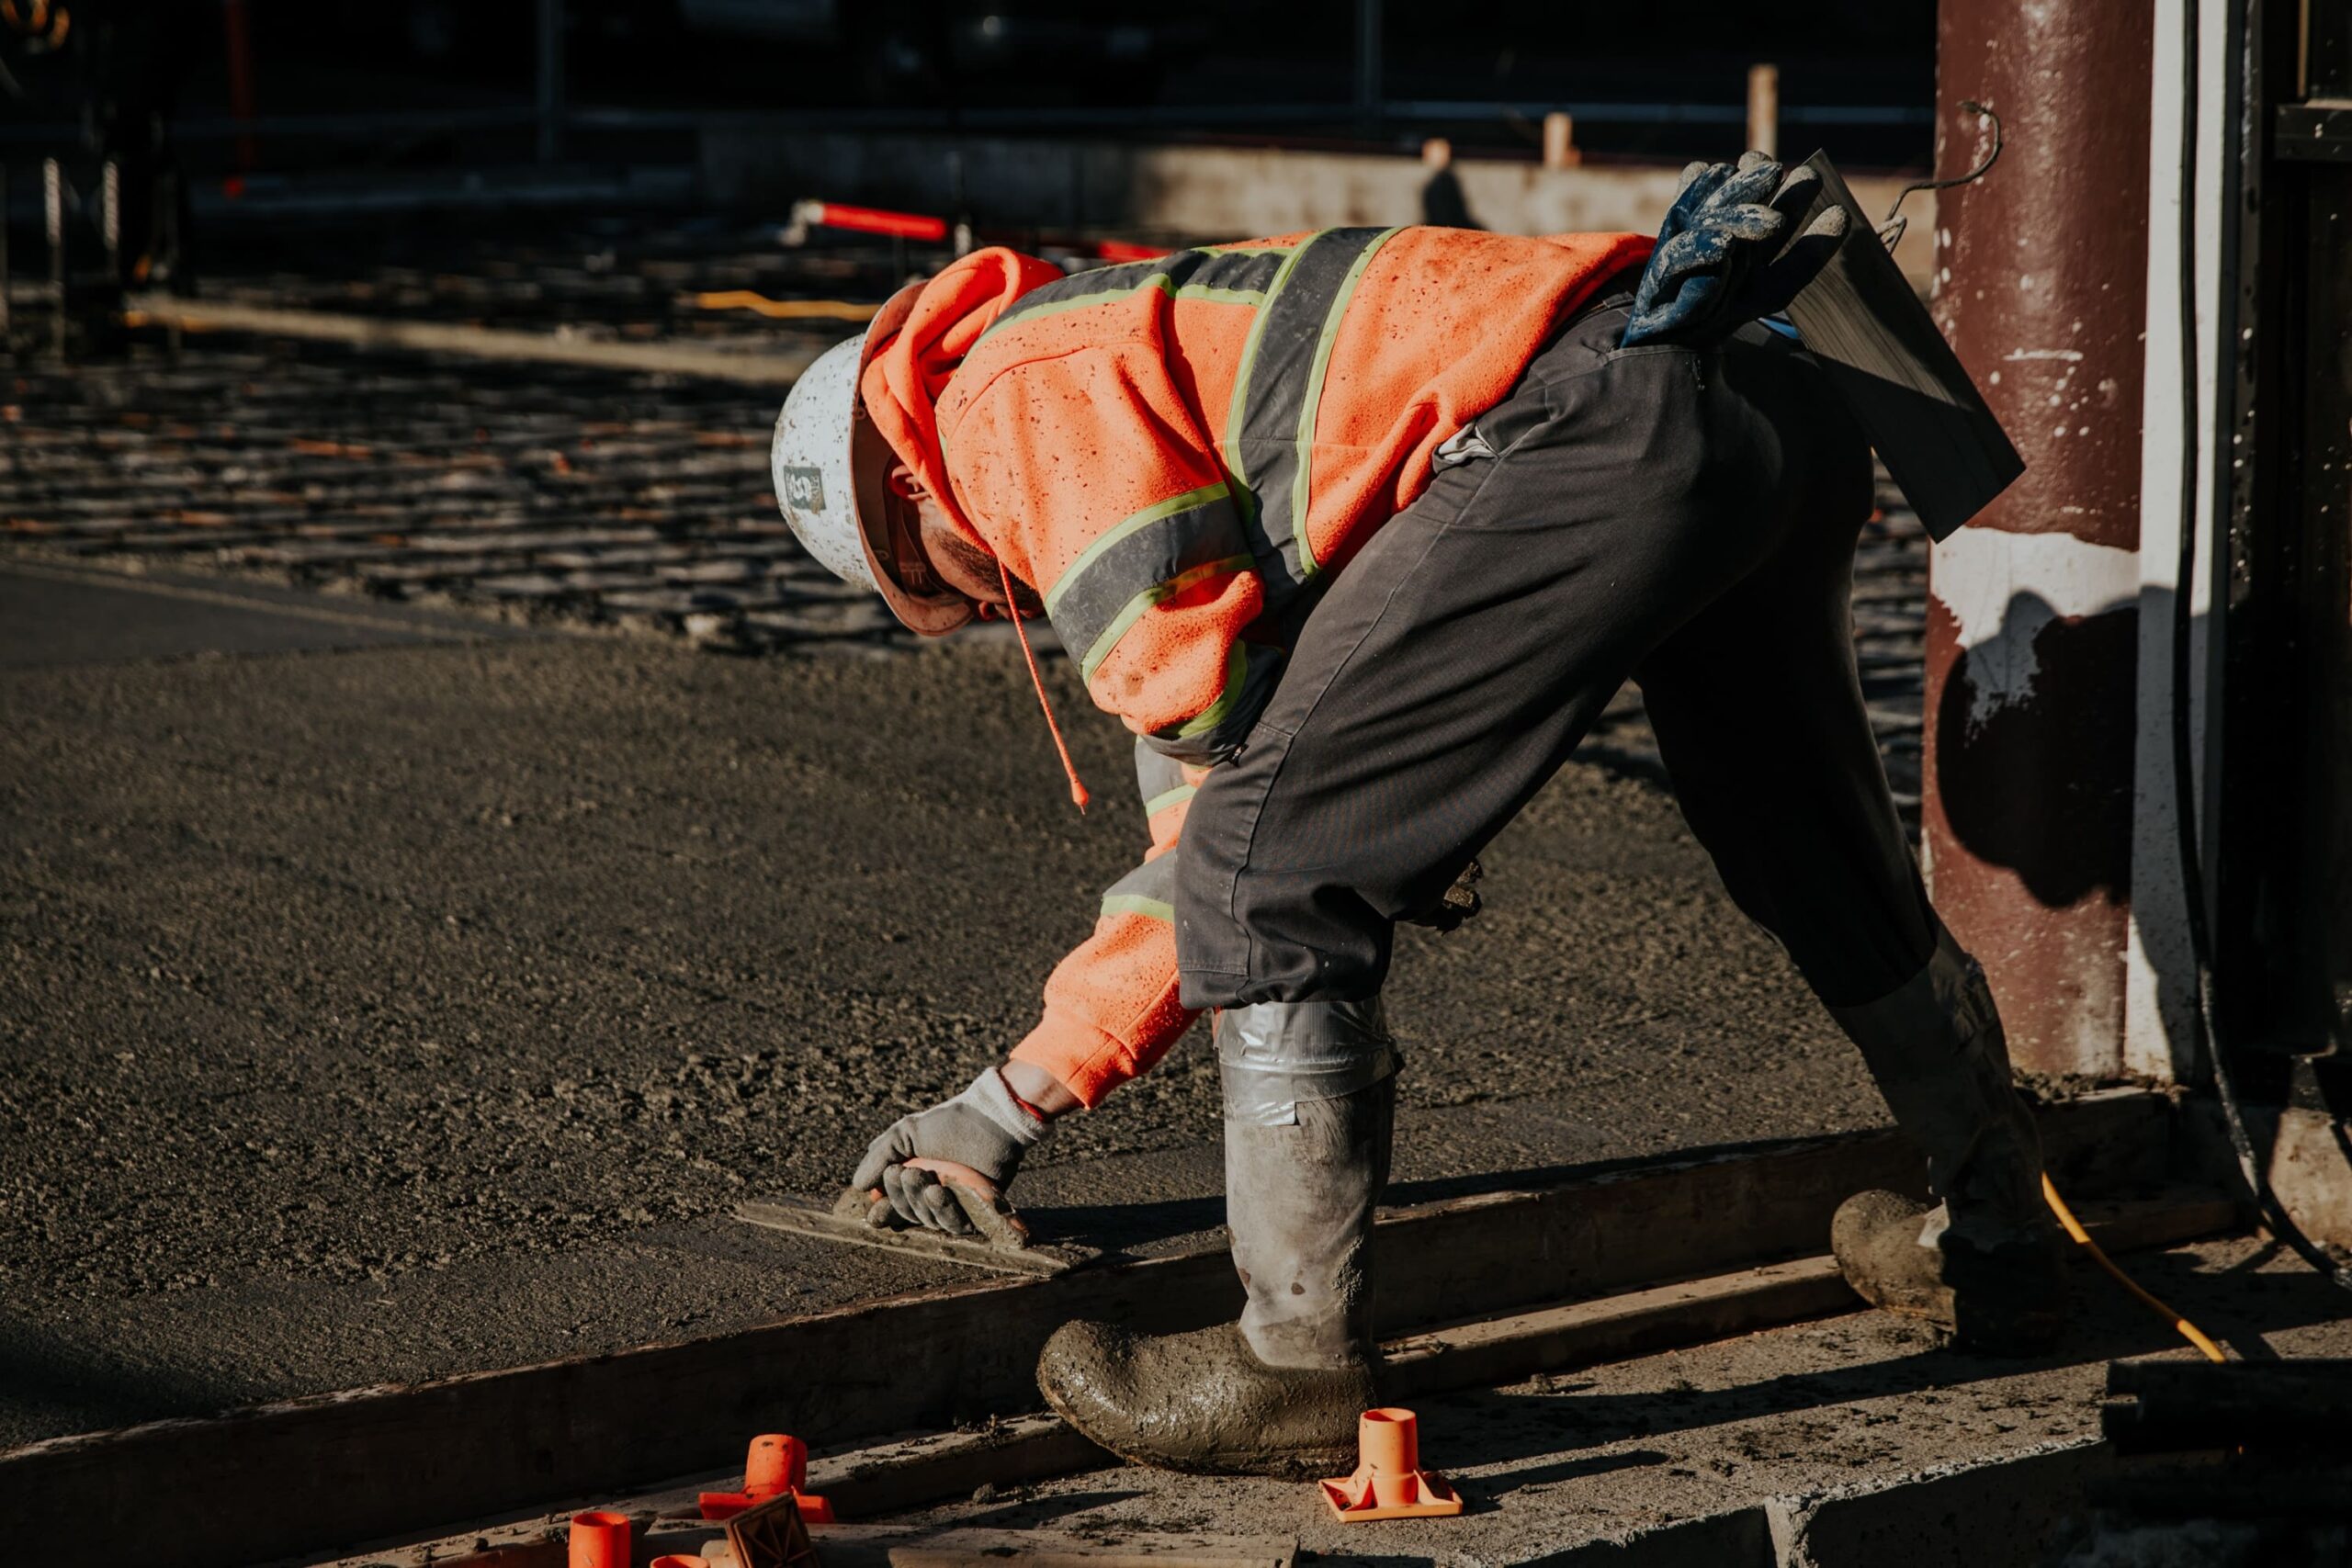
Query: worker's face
x=954 y=560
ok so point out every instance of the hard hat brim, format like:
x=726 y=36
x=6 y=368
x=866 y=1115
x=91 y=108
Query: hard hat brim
x=871 y=456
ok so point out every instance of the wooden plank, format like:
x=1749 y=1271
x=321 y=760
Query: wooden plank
x=936 y=1467
x=374 y=1462
x=778 y=364
x=890 y=1478
x=1482 y=1353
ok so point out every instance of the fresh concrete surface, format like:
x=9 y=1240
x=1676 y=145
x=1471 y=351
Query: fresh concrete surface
x=53 y=613
x=1850 y=1442
x=371 y=1014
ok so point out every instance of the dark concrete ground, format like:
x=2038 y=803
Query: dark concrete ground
x=1840 y=1442
x=378 y=1003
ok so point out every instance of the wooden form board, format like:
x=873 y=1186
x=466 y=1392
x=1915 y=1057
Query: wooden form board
x=280 y=1478
x=888 y=1478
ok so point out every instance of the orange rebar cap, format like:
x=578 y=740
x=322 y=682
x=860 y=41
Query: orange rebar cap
x=673 y=1559
x=1389 y=1483
x=778 y=1463
x=599 y=1540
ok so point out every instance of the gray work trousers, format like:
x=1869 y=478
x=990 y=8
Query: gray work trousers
x=1682 y=518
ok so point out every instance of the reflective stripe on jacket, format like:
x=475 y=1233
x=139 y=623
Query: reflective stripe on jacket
x=1176 y=453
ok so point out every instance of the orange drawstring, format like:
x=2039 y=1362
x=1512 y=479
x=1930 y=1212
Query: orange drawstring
x=1012 y=612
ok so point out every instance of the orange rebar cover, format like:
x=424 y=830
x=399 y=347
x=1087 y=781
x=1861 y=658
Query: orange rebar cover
x=1389 y=1483
x=877 y=220
x=776 y=1463
x=599 y=1540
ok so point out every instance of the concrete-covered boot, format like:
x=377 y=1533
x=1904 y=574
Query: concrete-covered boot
x=1986 y=1262
x=1309 y=1107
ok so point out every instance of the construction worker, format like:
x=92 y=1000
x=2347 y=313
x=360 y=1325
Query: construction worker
x=1357 y=532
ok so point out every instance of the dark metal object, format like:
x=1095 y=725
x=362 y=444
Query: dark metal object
x=2301 y=1407
x=2316 y=134
x=1901 y=382
x=110 y=217
x=550 y=79
x=1368 y=64
x=2284 y=896
x=52 y=207
x=984 y=118
x=1892 y=227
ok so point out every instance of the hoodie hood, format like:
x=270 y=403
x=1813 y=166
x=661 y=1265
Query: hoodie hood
x=904 y=381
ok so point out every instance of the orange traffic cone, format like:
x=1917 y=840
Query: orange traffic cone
x=1389 y=1483
x=599 y=1540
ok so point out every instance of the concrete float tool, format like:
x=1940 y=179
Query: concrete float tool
x=1003 y=1242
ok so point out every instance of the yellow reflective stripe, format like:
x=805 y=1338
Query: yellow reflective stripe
x=1150 y=908
x=1301 y=481
x=1244 y=498
x=1236 y=674
x=1120 y=530
x=1177 y=796
x=1143 y=600
x=1245 y=248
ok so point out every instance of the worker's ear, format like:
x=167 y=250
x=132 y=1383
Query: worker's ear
x=903 y=483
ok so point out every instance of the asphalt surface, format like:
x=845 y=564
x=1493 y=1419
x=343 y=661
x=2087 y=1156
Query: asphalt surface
x=391 y=1005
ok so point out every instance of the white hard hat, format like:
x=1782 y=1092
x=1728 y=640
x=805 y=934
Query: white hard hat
x=830 y=466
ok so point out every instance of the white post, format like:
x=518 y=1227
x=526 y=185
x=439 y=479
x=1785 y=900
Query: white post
x=2160 y=983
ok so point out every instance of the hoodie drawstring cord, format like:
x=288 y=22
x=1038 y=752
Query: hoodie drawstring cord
x=1012 y=612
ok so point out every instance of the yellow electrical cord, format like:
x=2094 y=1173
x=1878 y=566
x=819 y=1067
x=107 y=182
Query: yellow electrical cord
x=2187 y=1329
x=784 y=309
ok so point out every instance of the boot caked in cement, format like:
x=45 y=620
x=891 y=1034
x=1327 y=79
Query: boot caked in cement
x=2005 y=1300
x=1309 y=1102
x=1986 y=1262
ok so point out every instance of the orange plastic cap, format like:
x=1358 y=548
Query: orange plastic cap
x=1389 y=1483
x=673 y=1559
x=777 y=1462
x=599 y=1540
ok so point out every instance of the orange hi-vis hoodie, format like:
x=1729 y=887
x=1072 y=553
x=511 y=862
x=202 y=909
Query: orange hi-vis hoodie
x=1177 y=454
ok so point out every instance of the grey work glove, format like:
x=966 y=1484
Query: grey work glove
x=984 y=1128
x=1724 y=254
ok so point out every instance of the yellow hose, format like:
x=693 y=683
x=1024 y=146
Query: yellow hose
x=2187 y=1329
x=784 y=309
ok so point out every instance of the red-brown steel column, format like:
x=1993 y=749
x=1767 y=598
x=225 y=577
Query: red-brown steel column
x=2031 y=626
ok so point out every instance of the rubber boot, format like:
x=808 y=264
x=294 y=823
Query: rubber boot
x=1279 y=1392
x=1985 y=1263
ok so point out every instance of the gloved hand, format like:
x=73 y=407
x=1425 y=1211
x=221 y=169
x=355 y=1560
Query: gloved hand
x=984 y=1128
x=1724 y=256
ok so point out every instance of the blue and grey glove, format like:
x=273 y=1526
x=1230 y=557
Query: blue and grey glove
x=1723 y=256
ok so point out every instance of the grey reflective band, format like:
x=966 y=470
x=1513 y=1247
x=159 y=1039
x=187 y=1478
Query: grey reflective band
x=1148 y=890
x=1225 y=277
x=1156 y=776
x=1271 y=1055
x=1144 y=559
x=1270 y=430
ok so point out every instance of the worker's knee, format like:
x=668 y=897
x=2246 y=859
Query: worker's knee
x=1267 y=904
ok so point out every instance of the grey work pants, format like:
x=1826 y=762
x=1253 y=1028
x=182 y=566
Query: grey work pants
x=1682 y=518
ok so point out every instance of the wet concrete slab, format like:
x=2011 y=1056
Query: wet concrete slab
x=421 y=1009
x=54 y=615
